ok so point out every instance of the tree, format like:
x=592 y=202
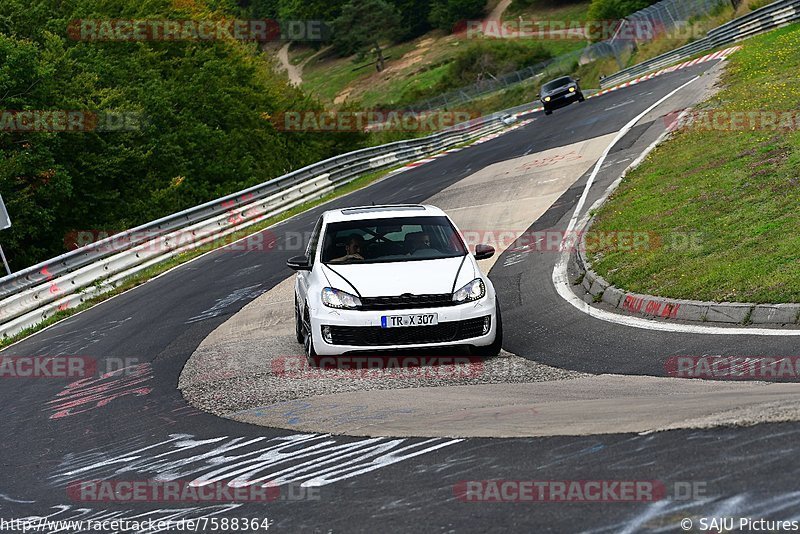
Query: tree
x=362 y=26
x=413 y=17
x=445 y=14
x=204 y=130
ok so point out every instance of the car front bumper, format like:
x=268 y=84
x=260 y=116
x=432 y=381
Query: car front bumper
x=356 y=330
x=561 y=100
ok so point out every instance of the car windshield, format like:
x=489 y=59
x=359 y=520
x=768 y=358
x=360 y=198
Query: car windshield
x=555 y=84
x=391 y=240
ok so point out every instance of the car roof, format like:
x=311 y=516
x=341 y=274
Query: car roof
x=559 y=79
x=387 y=211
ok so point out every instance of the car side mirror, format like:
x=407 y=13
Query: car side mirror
x=298 y=263
x=483 y=252
x=577 y=79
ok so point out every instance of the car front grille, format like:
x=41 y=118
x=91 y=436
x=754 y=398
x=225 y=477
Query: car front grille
x=407 y=302
x=373 y=336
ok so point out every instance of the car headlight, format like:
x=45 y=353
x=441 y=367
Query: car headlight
x=336 y=298
x=547 y=99
x=473 y=291
x=571 y=89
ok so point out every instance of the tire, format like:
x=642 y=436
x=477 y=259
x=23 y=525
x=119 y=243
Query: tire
x=494 y=349
x=298 y=324
x=548 y=112
x=581 y=98
x=308 y=339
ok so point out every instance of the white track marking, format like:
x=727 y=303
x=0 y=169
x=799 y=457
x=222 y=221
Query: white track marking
x=561 y=279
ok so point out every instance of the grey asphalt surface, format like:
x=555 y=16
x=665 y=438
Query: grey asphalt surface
x=745 y=471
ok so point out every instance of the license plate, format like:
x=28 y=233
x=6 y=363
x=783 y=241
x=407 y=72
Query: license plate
x=417 y=319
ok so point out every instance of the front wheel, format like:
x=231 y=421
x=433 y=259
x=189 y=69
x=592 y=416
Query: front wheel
x=298 y=324
x=548 y=112
x=308 y=339
x=581 y=98
x=493 y=349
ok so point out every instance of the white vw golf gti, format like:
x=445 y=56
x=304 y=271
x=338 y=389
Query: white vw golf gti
x=392 y=277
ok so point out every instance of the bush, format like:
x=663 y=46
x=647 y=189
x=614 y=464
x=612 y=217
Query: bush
x=490 y=59
x=616 y=9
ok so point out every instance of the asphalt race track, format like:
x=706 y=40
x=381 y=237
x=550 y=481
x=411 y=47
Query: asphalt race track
x=136 y=425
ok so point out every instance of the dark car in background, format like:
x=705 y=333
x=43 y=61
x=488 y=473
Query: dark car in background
x=559 y=93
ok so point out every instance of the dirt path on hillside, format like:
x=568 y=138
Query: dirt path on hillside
x=499 y=9
x=295 y=72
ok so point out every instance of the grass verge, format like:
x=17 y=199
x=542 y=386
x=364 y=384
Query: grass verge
x=719 y=198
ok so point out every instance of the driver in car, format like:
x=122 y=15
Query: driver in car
x=418 y=241
x=353 y=248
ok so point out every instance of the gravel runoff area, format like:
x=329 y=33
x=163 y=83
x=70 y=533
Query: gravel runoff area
x=253 y=360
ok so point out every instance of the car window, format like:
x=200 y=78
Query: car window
x=558 y=82
x=311 y=249
x=390 y=240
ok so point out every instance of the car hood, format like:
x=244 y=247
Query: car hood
x=419 y=277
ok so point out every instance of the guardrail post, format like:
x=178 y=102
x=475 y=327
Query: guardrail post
x=5 y=262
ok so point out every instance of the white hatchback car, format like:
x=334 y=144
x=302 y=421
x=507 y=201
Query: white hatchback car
x=392 y=277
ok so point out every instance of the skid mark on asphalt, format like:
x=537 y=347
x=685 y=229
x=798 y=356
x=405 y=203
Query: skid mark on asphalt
x=552 y=159
x=90 y=393
x=665 y=516
x=244 y=293
x=621 y=104
x=75 y=342
x=6 y=498
x=308 y=459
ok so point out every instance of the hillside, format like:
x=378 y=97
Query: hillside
x=428 y=65
x=420 y=68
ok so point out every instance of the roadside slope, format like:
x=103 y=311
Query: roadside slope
x=729 y=179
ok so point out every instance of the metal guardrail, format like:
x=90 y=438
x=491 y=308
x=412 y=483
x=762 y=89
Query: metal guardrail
x=769 y=17
x=31 y=295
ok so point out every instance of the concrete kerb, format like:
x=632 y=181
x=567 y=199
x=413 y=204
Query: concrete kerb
x=597 y=289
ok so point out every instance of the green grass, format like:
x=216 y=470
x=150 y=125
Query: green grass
x=736 y=191
x=326 y=77
x=547 y=10
x=298 y=54
x=394 y=93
